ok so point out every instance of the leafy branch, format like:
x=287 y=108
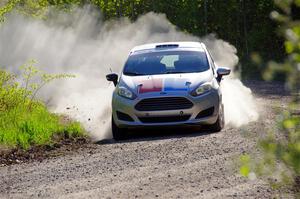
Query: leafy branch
x=280 y=159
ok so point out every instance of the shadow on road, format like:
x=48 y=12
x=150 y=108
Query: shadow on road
x=158 y=134
x=267 y=88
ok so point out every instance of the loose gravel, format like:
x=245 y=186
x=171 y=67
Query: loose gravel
x=179 y=164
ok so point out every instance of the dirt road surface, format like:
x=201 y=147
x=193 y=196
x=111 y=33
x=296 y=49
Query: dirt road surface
x=163 y=165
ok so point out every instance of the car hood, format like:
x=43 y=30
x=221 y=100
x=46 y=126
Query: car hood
x=182 y=82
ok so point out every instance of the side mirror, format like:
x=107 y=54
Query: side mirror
x=222 y=71
x=113 y=77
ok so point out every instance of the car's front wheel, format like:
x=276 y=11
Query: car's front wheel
x=118 y=133
x=220 y=123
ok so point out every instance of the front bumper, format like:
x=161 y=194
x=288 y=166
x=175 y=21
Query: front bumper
x=206 y=101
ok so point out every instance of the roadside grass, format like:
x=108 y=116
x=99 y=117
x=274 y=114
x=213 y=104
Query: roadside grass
x=23 y=128
x=26 y=122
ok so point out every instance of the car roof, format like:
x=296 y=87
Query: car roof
x=168 y=46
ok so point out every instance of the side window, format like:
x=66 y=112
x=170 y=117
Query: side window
x=211 y=62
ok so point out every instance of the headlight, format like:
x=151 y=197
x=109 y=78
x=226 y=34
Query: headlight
x=125 y=92
x=203 y=88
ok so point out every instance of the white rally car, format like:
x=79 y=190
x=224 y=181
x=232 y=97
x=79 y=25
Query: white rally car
x=167 y=84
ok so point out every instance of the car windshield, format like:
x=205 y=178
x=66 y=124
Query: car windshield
x=167 y=62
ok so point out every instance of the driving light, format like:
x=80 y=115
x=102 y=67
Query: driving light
x=204 y=88
x=125 y=92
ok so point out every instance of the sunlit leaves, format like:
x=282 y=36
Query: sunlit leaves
x=32 y=81
x=280 y=158
x=7 y=7
x=24 y=120
x=245 y=168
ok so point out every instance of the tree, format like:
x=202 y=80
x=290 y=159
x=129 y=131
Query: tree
x=281 y=153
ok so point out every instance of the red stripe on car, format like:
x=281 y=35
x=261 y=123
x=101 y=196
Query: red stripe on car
x=151 y=85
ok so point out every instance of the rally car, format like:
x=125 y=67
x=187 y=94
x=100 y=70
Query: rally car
x=168 y=84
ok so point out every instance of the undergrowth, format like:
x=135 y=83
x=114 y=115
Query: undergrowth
x=24 y=120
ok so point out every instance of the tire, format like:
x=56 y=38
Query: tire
x=118 y=133
x=220 y=123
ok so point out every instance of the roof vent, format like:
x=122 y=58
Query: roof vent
x=167 y=46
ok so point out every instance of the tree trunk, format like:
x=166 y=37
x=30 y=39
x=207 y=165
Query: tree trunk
x=132 y=10
x=237 y=21
x=120 y=8
x=245 y=27
x=297 y=185
x=105 y=14
x=153 y=6
x=117 y=8
x=205 y=16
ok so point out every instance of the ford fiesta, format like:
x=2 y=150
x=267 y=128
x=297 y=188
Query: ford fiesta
x=168 y=84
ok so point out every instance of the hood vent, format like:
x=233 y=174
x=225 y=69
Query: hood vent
x=162 y=46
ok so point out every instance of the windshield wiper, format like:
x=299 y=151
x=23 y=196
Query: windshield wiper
x=133 y=73
x=175 y=72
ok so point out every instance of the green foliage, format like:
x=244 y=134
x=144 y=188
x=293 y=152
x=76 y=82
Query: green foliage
x=245 y=162
x=281 y=153
x=35 y=8
x=7 y=7
x=25 y=121
x=22 y=128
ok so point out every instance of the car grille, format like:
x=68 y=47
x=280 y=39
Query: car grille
x=164 y=119
x=164 y=103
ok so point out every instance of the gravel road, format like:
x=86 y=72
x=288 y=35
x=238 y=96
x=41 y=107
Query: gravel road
x=165 y=165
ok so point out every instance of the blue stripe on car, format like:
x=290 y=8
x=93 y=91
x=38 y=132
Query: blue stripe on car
x=174 y=84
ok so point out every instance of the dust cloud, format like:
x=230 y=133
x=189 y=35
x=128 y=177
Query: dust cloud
x=239 y=103
x=81 y=43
